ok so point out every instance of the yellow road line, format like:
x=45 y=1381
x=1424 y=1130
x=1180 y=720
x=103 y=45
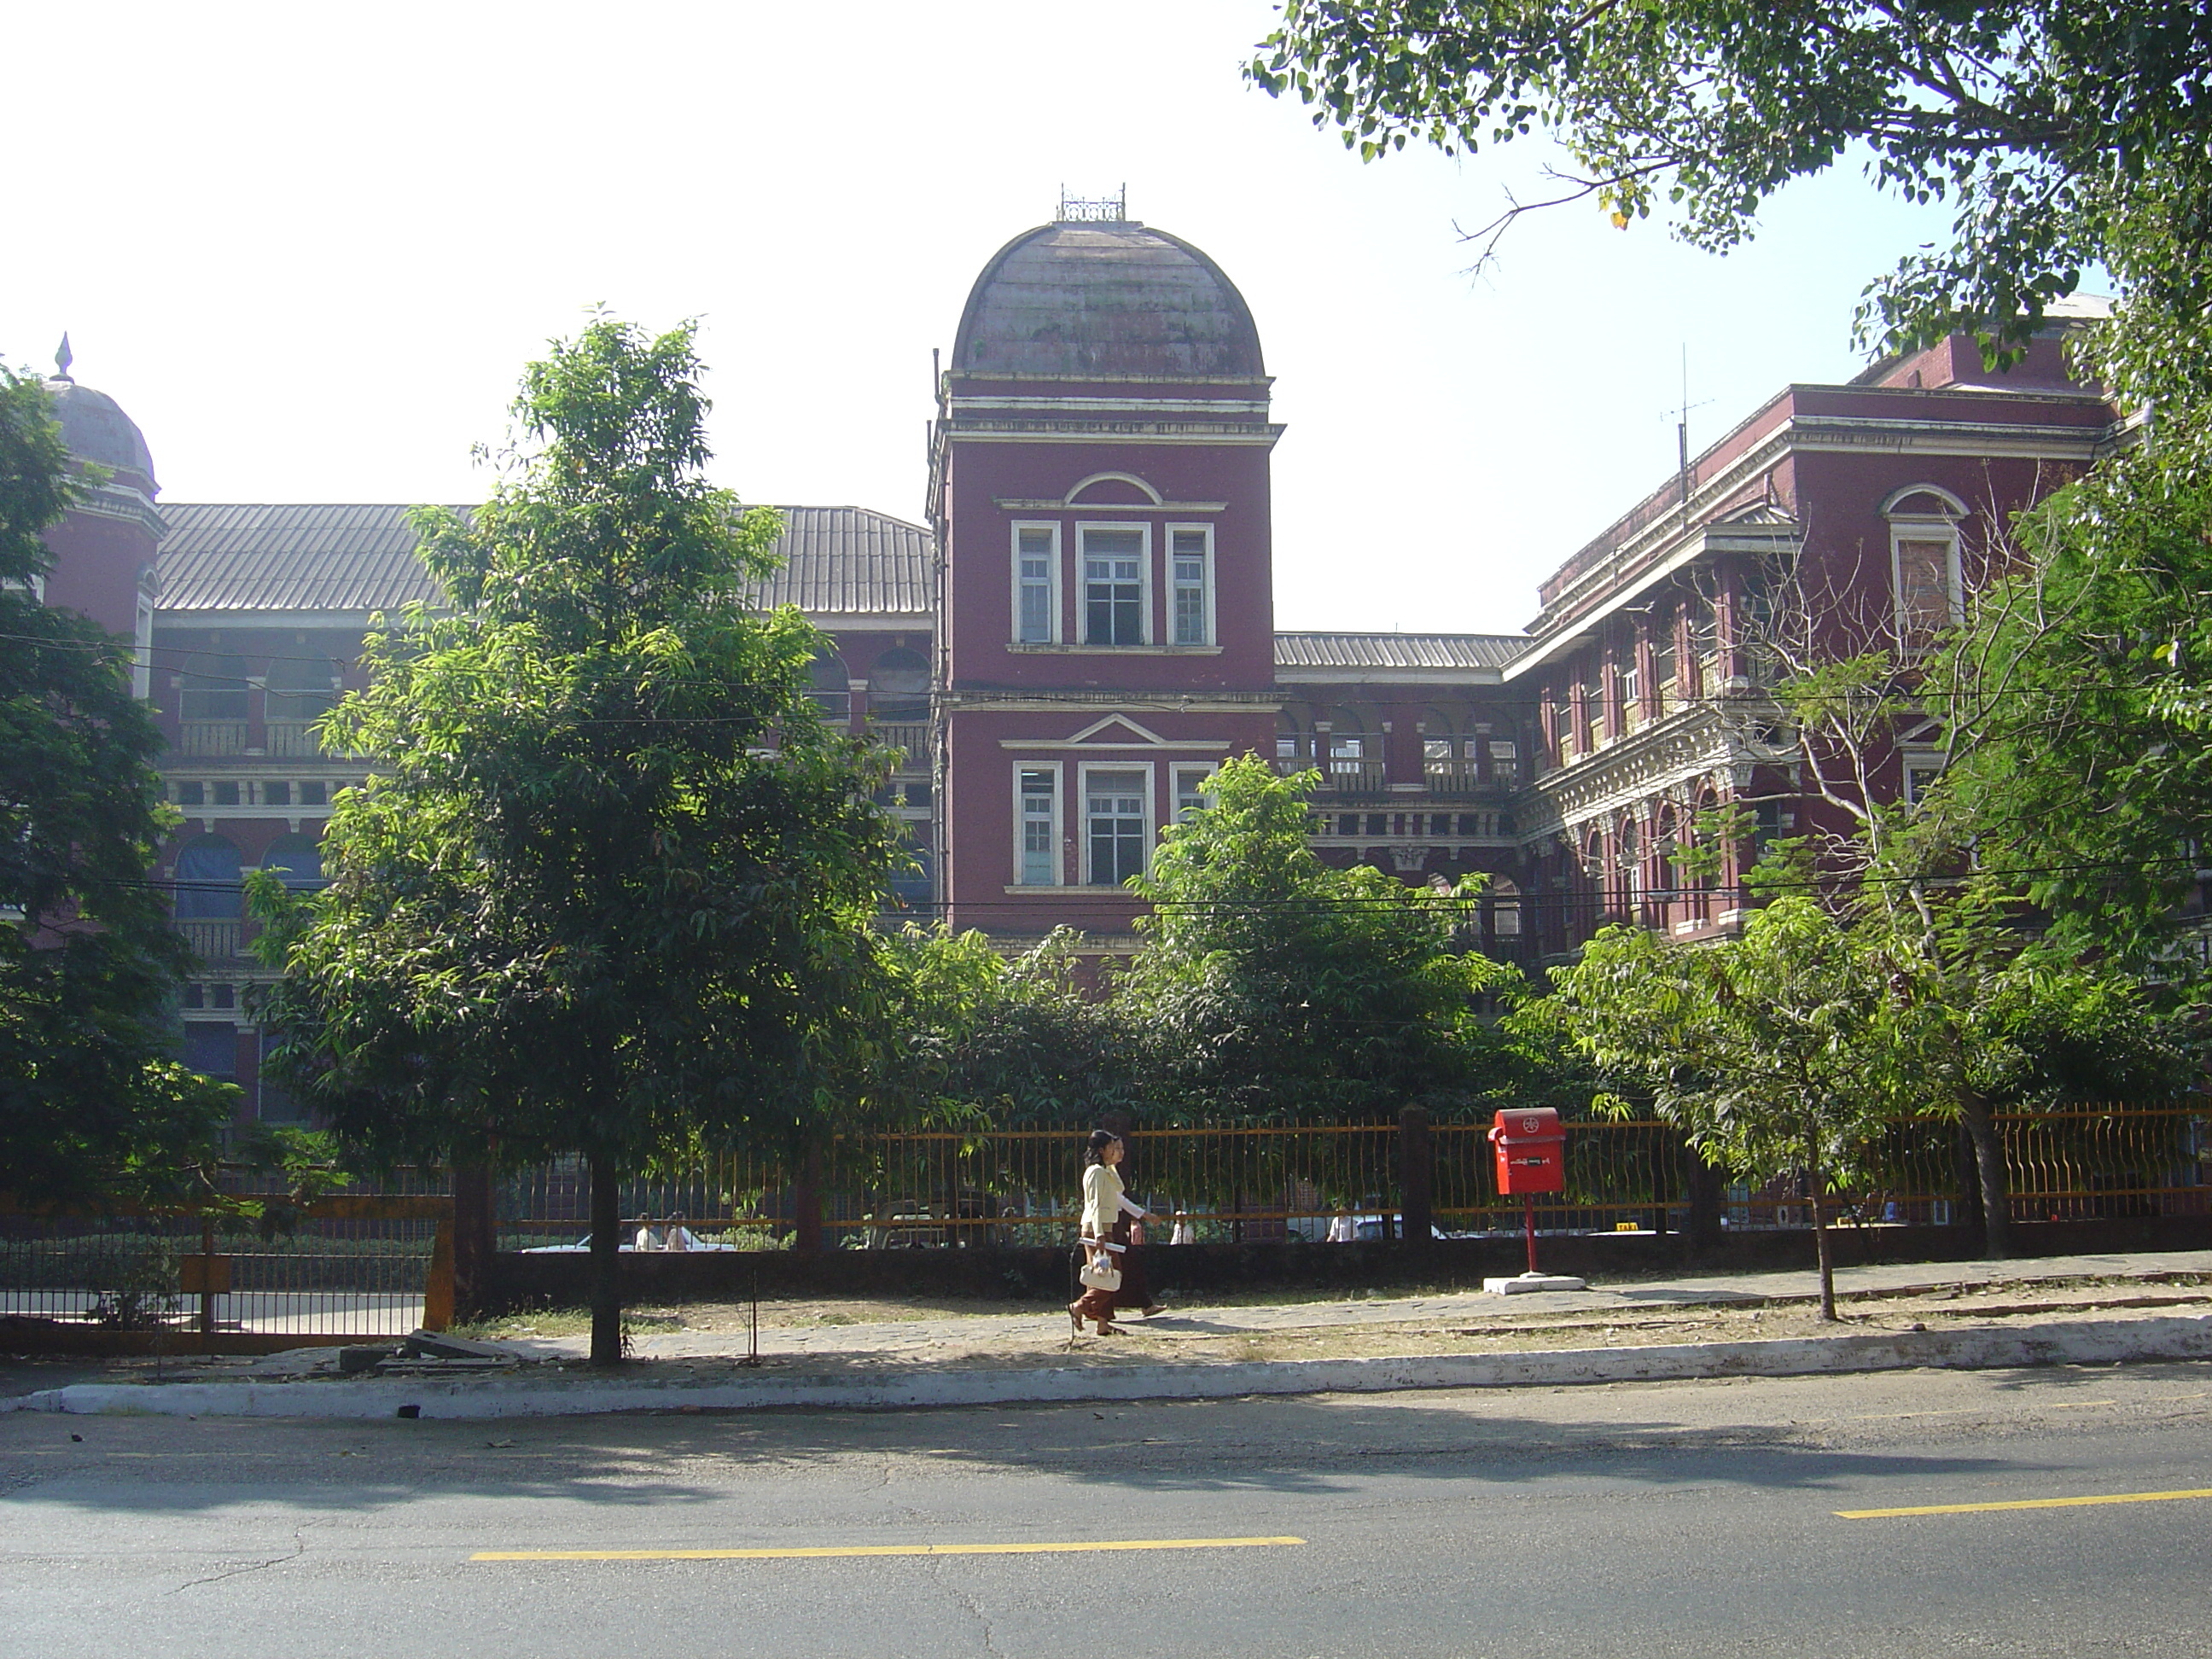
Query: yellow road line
x=882 y=1549
x=2028 y=1503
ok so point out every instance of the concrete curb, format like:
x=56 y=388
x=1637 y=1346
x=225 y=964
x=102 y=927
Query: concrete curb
x=2073 y=1342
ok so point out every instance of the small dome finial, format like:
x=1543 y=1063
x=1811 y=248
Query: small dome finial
x=63 y=358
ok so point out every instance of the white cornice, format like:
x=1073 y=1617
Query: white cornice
x=1133 y=432
x=1016 y=504
x=1091 y=408
x=1390 y=677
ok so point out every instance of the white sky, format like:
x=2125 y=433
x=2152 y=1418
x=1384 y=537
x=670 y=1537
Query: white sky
x=309 y=248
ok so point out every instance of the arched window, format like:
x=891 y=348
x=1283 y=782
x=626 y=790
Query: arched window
x=1925 y=584
x=208 y=887
x=1629 y=847
x=296 y=861
x=302 y=690
x=898 y=685
x=827 y=684
x=211 y=704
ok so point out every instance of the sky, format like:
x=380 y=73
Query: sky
x=309 y=248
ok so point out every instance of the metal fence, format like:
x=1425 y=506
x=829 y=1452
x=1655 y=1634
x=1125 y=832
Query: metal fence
x=360 y=1267
x=1023 y=1186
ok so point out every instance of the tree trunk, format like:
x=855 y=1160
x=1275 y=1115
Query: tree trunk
x=606 y=1263
x=1989 y=1164
x=1821 y=1245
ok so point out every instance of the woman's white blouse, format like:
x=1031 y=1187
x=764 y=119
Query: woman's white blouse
x=1102 y=1200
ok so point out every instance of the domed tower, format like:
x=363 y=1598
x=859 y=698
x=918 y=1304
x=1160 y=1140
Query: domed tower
x=105 y=547
x=1100 y=492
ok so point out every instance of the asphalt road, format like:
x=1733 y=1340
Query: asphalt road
x=1645 y=1520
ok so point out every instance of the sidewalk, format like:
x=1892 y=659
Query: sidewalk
x=922 y=1335
x=2080 y=1310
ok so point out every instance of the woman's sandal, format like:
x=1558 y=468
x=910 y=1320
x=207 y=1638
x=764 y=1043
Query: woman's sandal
x=1075 y=1318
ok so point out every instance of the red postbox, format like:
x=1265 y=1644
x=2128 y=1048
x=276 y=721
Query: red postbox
x=1532 y=1158
x=1532 y=1151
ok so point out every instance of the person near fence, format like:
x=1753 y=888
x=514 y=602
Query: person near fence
x=648 y=1236
x=1104 y=1203
x=1136 y=1291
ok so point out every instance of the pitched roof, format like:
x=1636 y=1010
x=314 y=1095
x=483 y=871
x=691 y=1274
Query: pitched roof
x=289 y=557
x=1433 y=651
x=849 y=561
x=361 y=557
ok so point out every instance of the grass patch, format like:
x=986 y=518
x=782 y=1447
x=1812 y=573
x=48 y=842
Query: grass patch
x=558 y=1321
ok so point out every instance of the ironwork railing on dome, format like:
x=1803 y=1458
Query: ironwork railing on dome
x=1093 y=209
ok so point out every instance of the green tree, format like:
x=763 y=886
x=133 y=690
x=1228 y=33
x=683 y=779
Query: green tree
x=2063 y=132
x=1766 y=1049
x=2077 y=702
x=91 y=1104
x=1273 y=988
x=606 y=889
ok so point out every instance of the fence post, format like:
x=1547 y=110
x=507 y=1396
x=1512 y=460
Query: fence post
x=1702 y=1231
x=1416 y=1173
x=806 y=1203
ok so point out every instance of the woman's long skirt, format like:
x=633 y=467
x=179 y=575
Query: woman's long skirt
x=1135 y=1292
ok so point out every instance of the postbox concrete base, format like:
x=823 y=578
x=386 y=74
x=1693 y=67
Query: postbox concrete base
x=1521 y=1283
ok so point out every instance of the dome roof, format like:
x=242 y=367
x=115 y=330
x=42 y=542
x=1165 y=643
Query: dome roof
x=1109 y=299
x=96 y=429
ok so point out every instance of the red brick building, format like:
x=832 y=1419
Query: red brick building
x=1085 y=628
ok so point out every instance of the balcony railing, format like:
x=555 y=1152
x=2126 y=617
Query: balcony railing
x=293 y=738
x=211 y=737
x=913 y=738
x=1344 y=776
x=1463 y=780
x=213 y=941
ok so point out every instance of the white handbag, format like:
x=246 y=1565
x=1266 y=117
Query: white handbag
x=1101 y=1274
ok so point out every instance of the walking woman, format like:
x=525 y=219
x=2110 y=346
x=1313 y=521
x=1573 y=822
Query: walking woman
x=1104 y=1204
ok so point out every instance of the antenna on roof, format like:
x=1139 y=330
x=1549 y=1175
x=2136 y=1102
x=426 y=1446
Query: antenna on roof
x=1094 y=210
x=1682 y=435
x=63 y=358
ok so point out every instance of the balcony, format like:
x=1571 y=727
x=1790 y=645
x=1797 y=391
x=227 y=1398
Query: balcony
x=1345 y=776
x=913 y=738
x=293 y=738
x=211 y=737
x=1463 y=780
x=214 y=941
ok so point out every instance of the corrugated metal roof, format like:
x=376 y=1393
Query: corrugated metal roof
x=289 y=557
x=357 y=557
x=1435 y=651
x=849 y=561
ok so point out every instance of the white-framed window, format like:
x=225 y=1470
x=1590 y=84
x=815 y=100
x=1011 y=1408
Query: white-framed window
x=1924 y=563
x=1117 y=583
x=1116 y=822
x=1188 y=796
x=141 y=658
x=1036 y=584
x=1922 y=768
x=1036 y=826
x=1505 y=760
x=1190 y=580
x=1504 y=908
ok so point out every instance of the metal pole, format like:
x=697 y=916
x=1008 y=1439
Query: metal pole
x=207 y=1276
x=1528 y=1226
